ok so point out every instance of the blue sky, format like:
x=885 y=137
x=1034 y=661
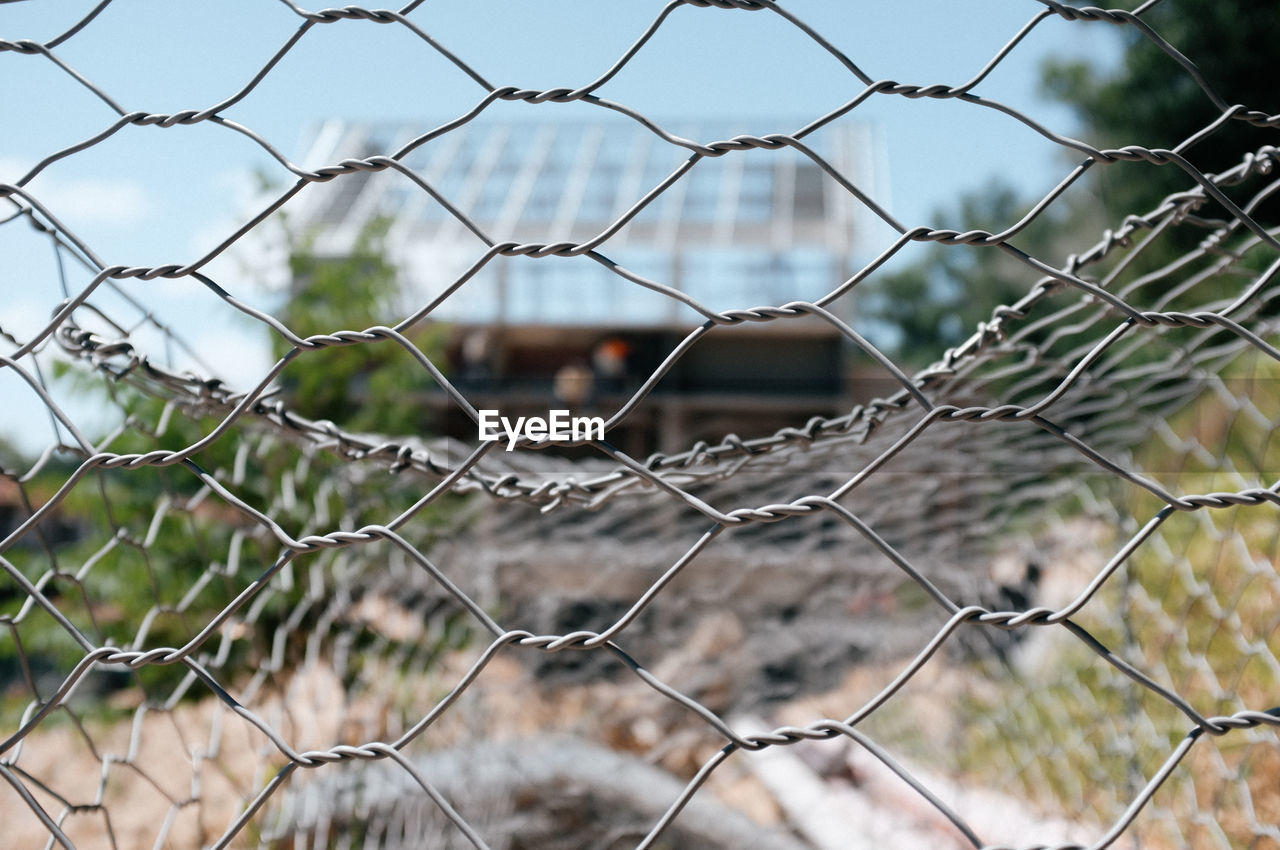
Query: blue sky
x=152 y=195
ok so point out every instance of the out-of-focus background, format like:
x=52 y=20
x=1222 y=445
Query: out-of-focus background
x=934 y=345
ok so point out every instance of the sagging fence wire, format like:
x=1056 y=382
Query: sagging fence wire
x=1041 y=565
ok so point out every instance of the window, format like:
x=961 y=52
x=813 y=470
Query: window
x=809 y=201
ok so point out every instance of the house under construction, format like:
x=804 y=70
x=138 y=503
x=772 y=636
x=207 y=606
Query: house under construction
x=752 y=227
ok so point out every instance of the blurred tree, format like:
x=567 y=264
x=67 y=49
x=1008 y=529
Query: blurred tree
x=166 y=557
x=938 y=301
x=1151 y=100
x=367 y=387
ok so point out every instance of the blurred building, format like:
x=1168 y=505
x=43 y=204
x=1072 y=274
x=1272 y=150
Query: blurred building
x=750 y=228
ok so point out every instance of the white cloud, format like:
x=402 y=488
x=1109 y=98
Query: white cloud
x=23 y=316
x=240 y=353
x=92 y=201
x=97 y=201
x=258 y=263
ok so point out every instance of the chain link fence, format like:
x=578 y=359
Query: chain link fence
x=1026 y=599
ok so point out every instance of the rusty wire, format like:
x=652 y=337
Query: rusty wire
x=1057 y=393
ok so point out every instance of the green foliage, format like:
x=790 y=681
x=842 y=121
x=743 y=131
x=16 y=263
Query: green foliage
x=155 y=554
x=374 y=386
x=937 y=302
x=1152 y=101
x=1195 y=608
x=1195 y=605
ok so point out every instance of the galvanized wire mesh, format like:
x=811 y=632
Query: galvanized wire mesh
x=225 y=624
